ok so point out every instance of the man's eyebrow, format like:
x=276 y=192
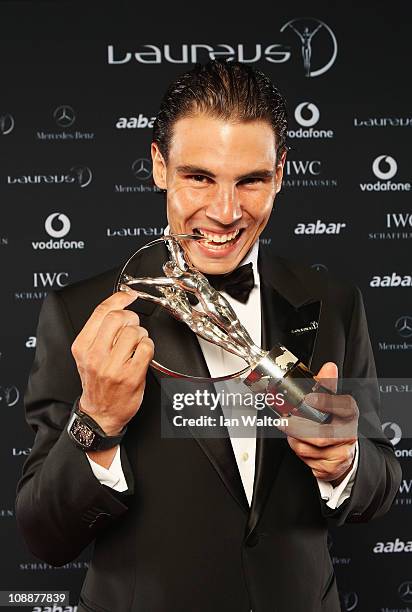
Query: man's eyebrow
x=257 y=174
x=195 y=170
x=187 y=169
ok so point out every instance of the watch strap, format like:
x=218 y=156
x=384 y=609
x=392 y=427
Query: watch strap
x=87 y=434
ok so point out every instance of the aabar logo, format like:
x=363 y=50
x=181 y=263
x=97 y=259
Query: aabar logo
x=319 y=228
x=392 y=280
x=133 y=123
x=396 y=546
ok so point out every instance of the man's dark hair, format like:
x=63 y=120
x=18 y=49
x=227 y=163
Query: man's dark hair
x=231 y=91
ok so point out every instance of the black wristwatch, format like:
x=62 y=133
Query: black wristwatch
x=86 y=434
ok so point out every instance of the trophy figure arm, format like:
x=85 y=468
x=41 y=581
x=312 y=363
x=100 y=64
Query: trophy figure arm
x=162 y=301
x=161 y=281
x=204 y=327
x=177 y=253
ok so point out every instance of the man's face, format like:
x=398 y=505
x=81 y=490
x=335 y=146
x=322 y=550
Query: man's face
x=221 y=180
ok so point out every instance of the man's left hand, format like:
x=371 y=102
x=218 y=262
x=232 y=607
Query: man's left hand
x=328 y=449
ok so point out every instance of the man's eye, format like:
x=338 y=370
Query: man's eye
x=251 y=181
x=199 y=178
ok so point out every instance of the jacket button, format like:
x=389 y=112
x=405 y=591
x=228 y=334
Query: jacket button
x=253 y=540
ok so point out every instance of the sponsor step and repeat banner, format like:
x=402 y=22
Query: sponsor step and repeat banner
x=77 y=198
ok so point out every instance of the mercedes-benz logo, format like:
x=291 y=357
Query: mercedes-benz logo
x=319 y=267
x=395 y=430
x=305 y=29
x=142 y=169
x=350 y=601
x=83 y=175
x=405 y=591
x=9 y=396
x=6 y=124
x=64 y=116
x=404 y=326
x=391 y=167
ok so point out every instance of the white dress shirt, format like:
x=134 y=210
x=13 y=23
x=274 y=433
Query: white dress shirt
x=219 y=363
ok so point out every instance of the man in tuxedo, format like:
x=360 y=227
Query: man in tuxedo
x=198 y=523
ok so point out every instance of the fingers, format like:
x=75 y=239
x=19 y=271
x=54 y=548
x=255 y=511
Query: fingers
x=143 y=355
x=326 y=463
x=318 y=433
x=117 y=301
x=328 y=376
x=318 y=448
x=127 y=341
x=110 y=329
x=342 y=406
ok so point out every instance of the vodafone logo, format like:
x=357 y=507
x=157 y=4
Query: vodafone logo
x=311 y=111
x=57 y=225
x=307 y=115
x=393 y=432
x=384 y=167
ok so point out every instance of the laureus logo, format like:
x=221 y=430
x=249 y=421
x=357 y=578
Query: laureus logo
x=350 y=601
x=314 y=40
x=9 y=396
x=6 y=124
x=83 y=175
x=306 y=30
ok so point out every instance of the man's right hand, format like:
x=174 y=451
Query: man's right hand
x=112 y=353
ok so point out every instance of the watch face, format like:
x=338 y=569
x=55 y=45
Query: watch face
x=82 y=433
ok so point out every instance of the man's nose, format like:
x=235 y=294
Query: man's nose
x=225 y=207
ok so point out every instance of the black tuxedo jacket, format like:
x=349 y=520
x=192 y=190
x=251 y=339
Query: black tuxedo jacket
x=182 y=538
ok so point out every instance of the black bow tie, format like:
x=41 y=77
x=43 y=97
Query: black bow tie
x=238 y=283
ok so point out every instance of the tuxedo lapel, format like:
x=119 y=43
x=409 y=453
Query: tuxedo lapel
x=290 y=314
x=177 y=348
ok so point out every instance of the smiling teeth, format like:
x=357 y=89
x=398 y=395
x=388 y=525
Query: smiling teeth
x=220 y=238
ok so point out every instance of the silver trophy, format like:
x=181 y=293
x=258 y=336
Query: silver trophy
x=213 y=318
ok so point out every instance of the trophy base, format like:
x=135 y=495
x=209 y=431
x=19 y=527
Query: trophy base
x=279 y=371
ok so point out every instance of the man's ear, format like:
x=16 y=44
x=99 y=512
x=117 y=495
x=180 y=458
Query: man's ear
x=279 y=170
x=159 y=167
